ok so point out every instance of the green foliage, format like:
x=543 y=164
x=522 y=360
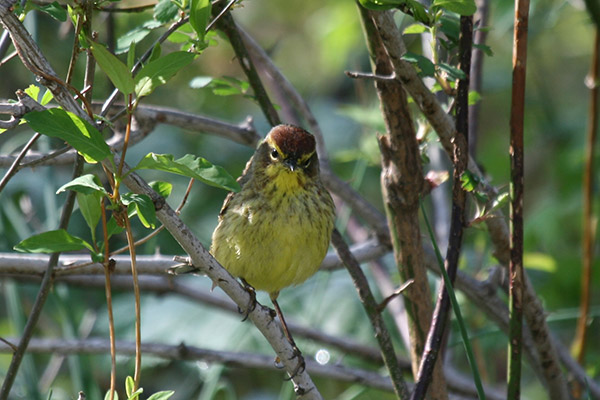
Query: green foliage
x=192 y=167
x=52 y=242
x=142 y=206
x=165 y=11
x=53 y=9
x=117 y=72
x=135 y=35
x=199 y=16
x=159 y=71
x=79 y=133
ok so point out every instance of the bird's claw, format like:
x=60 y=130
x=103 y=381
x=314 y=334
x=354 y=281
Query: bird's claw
x=301 y=366
x=251 y=303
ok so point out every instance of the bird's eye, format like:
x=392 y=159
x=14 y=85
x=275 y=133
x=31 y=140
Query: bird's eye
x=274 y=154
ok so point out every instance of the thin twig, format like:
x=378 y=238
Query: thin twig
x=366 y=297
x=42 y=295
x=588 y=213
x=459 y=196
x=108 y=292
x=227 y=24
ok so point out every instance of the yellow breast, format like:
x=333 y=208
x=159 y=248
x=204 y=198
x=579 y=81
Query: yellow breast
x=278 y=238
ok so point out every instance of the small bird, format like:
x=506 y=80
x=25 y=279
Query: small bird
x=275 y=232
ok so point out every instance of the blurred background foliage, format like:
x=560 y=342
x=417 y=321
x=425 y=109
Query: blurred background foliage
x=313 y=43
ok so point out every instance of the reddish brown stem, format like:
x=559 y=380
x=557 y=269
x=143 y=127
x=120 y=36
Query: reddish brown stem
x=516 y=205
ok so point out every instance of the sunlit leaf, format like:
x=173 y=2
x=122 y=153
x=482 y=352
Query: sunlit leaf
x=53 y=9
x=462 y=7
x=90 y=207
x=117 y=72
x=164 y=395
x=424 y=63
x=414 y=28
x=192 y=167
x=452 y=71
x=162 y=188
x=165 y=11
x=539 y=261
x=136 y=35
x=86 y=184
x=474 y=97
x=200 y=12
x=157 y=72
x=141 y=205
x=52 y=242
x=79 y=133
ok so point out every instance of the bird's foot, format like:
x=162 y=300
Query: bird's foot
x=301 y=366
x=251 y=303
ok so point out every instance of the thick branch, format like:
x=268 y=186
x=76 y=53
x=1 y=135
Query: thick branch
x=402 y=185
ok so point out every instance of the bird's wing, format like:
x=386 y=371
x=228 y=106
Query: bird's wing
x=242 y=181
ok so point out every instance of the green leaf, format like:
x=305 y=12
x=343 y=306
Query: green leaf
x=86 y=184
x=539 y=261
x=486 y=49
x=227 y=86
x=33 y=91
x=47 y=97
x=165 y=11
x=164 y=395
x=129 y=385
x=200 y=82
x=474 y=97
x=155 y=54
x=468 y=181
x=162 y=188
x=79 y=133
x=107 y=395
x=52 y=242
x=462 y=7
x=90 y=207
x=415 y=28
x=112 y=228
x=452 y=71
x=200 y=11
x=380 y=5
x=141 y=205
x=131 y=56
x=136 y=35
x=192 y=167
x=157 y=72
x=54 y=10
x=424 y=63
x=117 y=72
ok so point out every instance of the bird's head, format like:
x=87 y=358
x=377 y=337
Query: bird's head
x=288 y=155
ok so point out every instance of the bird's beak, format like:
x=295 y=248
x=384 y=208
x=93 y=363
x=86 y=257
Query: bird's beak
x=291 y=163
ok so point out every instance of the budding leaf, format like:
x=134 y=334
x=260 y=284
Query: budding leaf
x=53 y=242
x=76 y=131
x=190 y=166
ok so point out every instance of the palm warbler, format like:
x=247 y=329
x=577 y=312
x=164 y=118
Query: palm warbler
x=275 y=232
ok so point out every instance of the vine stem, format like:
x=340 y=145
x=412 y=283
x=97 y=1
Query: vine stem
x=516 y=274
x=138 y=317
x=111 y=320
